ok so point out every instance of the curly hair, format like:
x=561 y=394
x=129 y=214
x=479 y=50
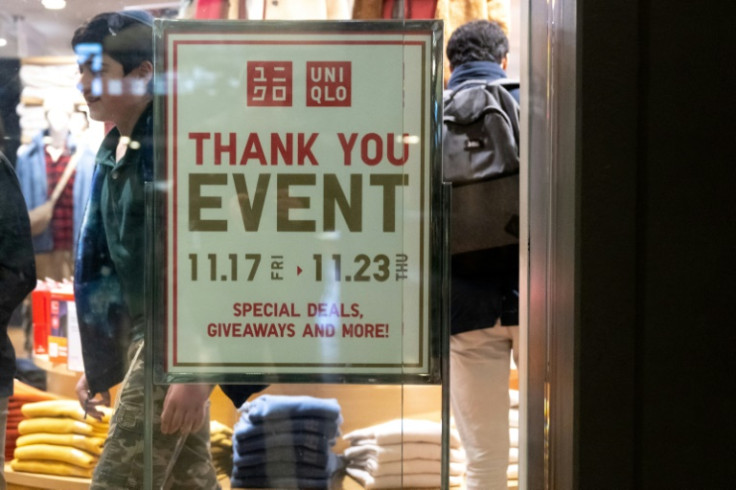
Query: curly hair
x=478 y=40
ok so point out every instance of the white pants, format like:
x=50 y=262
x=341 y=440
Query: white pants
x=479 y=395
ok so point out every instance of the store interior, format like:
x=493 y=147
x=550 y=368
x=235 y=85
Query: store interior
x=38 y=75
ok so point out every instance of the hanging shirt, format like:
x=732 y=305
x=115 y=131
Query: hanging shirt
x=62 y=220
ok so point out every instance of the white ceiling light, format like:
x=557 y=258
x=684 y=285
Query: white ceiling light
x=54 y=4
x=3 y=42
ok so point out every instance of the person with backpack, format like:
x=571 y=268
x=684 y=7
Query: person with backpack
x=481 y=159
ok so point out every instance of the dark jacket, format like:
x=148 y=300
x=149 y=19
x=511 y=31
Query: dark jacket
x=110 y=261
x=108 y=289
x=484 y=283
x=17 y=265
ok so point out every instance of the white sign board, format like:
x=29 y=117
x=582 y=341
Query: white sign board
x=298 y=167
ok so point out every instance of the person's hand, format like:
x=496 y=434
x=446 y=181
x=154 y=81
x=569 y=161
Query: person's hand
x=90 y=404
x=185 y=408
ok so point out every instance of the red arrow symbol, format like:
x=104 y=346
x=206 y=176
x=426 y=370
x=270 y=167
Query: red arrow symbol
x=298 y=270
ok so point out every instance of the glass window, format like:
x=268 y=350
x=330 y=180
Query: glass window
x=247 y=266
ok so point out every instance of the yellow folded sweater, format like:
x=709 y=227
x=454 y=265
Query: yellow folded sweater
x=49 y=452
x=64 y=408
x=90 y=444
x=59 y=426
x=219 y=428
x=221 y=440
x=50 y=468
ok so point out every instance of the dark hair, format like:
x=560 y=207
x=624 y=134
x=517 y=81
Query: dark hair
x=478 y=40
x=125 y=36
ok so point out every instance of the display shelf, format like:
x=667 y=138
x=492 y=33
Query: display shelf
x=36 y=481
x=20 y=480
x=339 y=482
x=49 y=60
x=42 y=361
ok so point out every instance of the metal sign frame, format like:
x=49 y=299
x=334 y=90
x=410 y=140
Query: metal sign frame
x=175 y=43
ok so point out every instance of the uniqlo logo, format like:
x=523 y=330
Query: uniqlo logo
x=269 y=83
x=328 y=83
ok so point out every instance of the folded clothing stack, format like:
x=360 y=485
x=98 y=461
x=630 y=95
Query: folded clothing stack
x=221 y=448
x=512 y=473
x=56 y=438
x=285 y=442
x=22 y=394
x=402 y=453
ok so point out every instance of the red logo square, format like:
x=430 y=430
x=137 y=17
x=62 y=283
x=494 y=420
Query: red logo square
x=269 y=83
x=328 y=83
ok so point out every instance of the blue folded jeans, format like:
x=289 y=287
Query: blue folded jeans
x=245 y=429
x=280 y=469
x=286 y=454
x=271 y=407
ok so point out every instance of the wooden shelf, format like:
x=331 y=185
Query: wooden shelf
x=42 y=361
x=49 y=60
x=18 y=480
x=36 y=481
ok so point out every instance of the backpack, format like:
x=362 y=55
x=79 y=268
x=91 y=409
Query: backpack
x=480 y=148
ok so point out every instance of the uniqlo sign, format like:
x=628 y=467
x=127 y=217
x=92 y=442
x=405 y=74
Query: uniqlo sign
x=328 y=83
x=269 y=83
x=299 y=184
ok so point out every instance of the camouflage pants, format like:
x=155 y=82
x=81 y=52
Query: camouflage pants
x=121 y=465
